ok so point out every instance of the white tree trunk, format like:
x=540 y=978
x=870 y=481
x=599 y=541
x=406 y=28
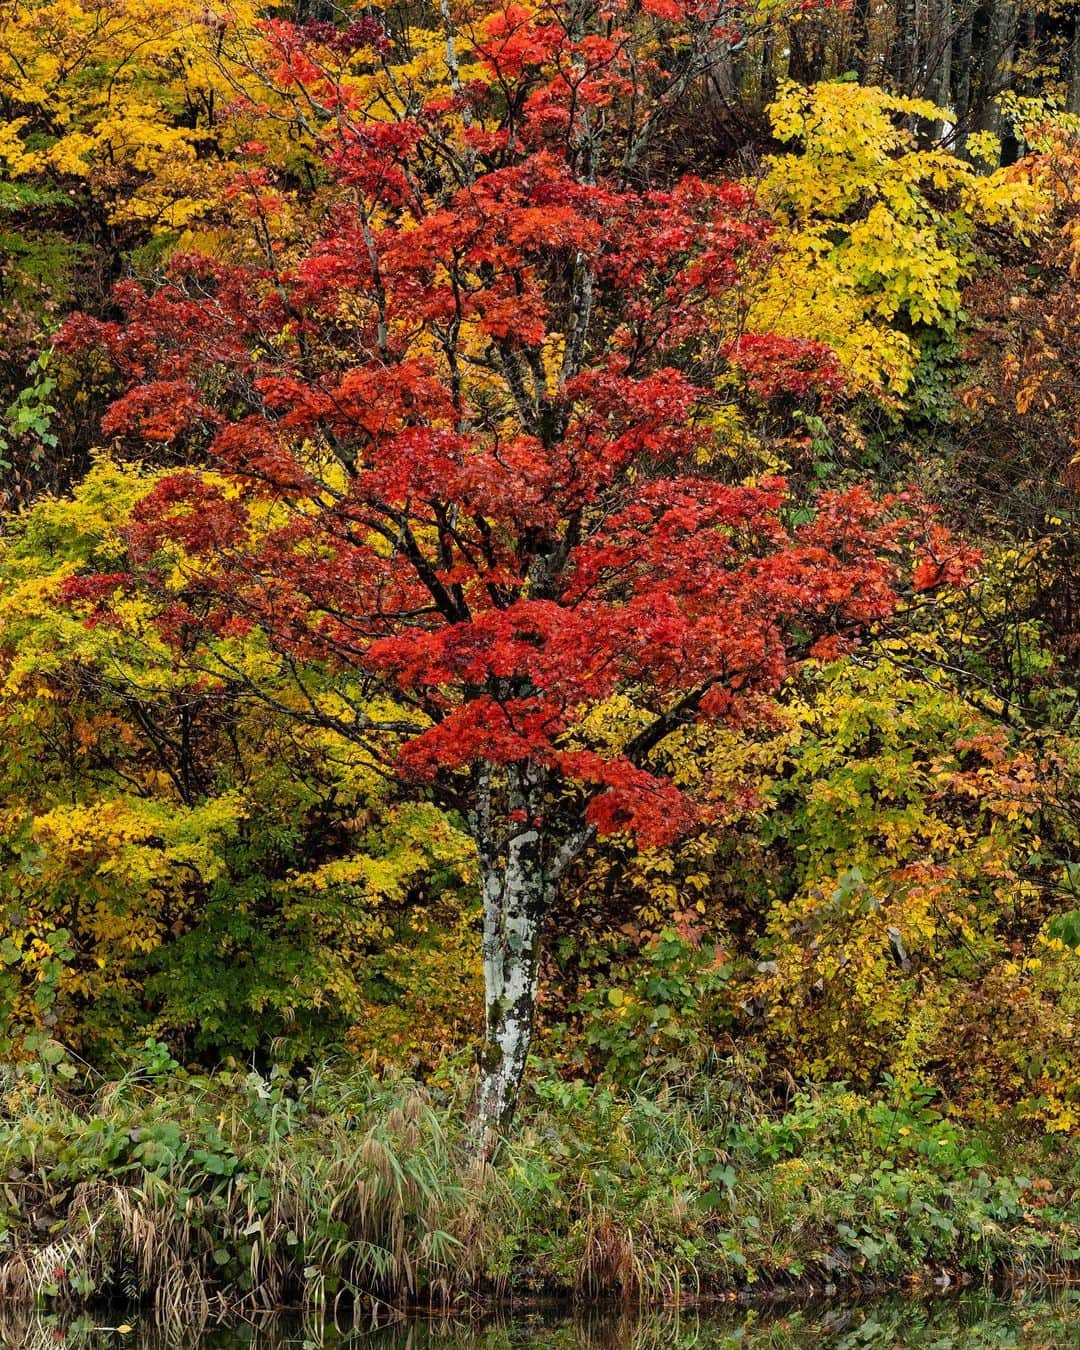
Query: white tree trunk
x=512 y=927
x=518 y=891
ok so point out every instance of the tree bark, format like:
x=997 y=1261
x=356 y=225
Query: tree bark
x=961 y=75
x=806 y=50
x=904 y=58
x=996 y=63
x=768 y=68
x=1073 y=98
x=939 y=73
x=518 y=887
x=939 y=62
x=522 y=861
x=860 y=40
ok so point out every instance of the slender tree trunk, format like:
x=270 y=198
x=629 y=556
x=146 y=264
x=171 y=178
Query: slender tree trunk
x=996 y=63
x=515 y=905
x=519 y=888
x=724 y=78
x=768 y=68
x=939 y=59
x=860 y=40
x=904 y=60
x=944 y=81
x=939 y=75
x=1073 y=97
x=962 y=79
x=806 y=44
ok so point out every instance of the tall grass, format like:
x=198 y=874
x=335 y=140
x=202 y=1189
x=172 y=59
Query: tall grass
x=243 y=1198
x=206 y=1197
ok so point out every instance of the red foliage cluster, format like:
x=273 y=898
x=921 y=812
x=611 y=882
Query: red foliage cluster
x=489 y=484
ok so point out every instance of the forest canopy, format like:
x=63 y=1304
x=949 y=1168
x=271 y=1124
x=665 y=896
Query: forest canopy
x=544 y=529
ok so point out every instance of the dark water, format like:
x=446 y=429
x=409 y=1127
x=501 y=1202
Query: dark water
x=962 y=1322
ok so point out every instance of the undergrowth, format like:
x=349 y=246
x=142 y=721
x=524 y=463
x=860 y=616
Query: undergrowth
x=208 y=1195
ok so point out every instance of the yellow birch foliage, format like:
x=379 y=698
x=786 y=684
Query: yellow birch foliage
x=124 y=93
x=876 y=235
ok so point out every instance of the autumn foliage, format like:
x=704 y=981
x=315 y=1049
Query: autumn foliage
x=502 y=527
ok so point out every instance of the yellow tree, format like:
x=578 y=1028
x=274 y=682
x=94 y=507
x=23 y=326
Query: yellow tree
x=124 y=99
x=879 y=234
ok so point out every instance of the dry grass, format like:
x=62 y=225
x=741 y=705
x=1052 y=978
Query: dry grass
x=377 y=1207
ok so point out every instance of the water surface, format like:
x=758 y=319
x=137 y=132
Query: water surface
x=969 y=1321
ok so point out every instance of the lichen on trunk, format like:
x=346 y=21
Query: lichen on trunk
x=519 y=888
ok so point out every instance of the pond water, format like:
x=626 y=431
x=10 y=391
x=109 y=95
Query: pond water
x=966 y=1321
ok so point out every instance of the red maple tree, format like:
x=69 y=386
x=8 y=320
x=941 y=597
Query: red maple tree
x=483 y=405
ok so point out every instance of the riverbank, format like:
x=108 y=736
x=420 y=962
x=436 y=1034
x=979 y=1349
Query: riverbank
x=209 y=1196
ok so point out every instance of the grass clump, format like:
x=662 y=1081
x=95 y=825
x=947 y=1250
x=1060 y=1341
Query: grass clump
x=207 y=1195
x=213 y=1194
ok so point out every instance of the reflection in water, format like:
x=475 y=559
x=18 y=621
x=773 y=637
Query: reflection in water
x=965 y=1322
